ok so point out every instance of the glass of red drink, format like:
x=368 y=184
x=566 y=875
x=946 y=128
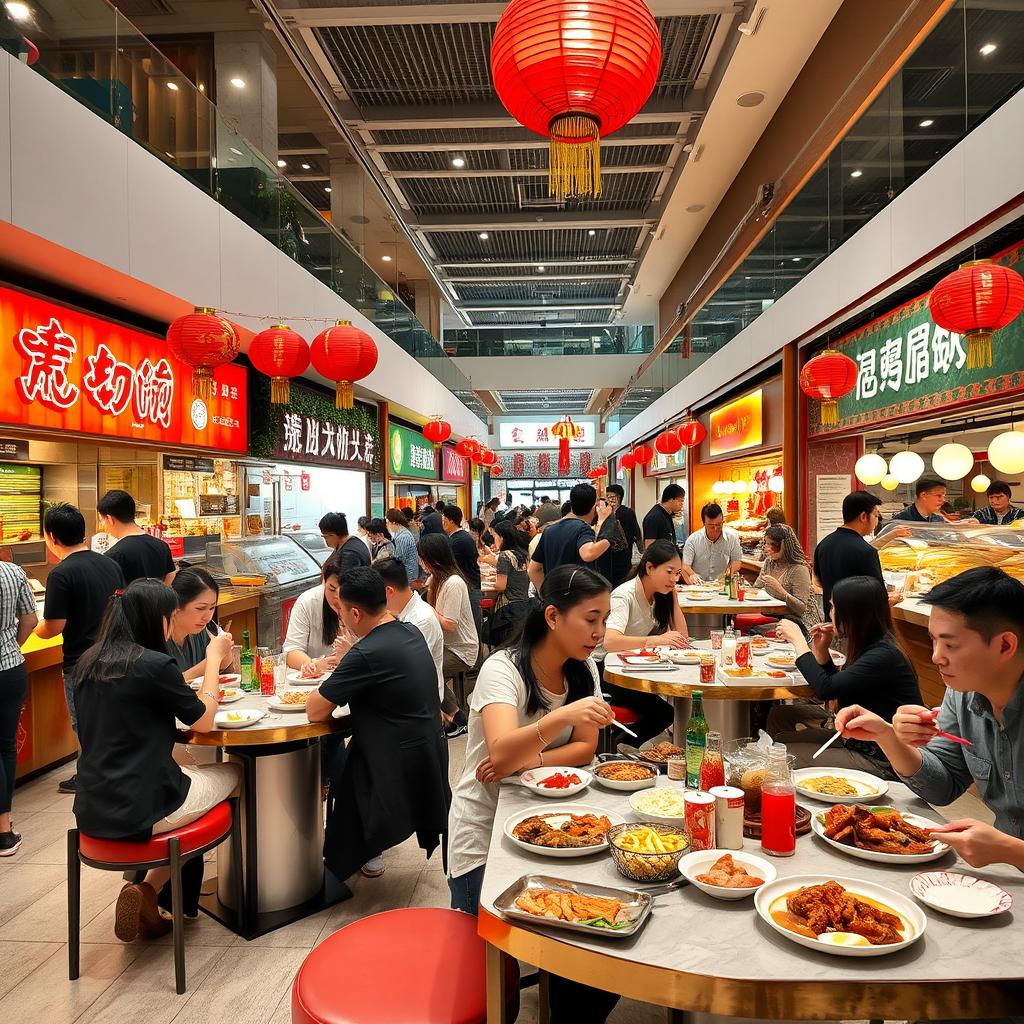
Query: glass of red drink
x=778 y=819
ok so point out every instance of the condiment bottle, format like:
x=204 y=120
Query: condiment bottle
x=712 y=767
x=729 y=647
x=778 y=807
x=247 y=665
x=696 y=740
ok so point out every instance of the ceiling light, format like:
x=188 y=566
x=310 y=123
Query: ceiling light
x=483 y=236
x=238 y=83
x=540 y=270
x=984 y=50
x=282 y=163
x=305 y=167
x=695 y=208
x=237 y=152
x=18 y=11
x=856 y=174
x=202 y=88
x=926 y=123
x=591 y=232
x=797 y=259
x=386 y=259
x=327 y=188
x=750 y=99
x=173 y=86
x=458 y=161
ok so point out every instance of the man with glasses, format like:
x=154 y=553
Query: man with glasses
x=845 y=552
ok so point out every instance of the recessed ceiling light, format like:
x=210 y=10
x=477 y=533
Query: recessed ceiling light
x=458 y=161
x=386 y=259
x=173 y=86
x=282 y=163
x=797 y=259
x=305 y=167
x=237 y=152
x=327 y=188
x=856 y=174
x=483 y=236
x=695 y=208
x=984 y=50
x=540 y=270
x=750 y=99
x=591 y=232
x=238 y=83
x=926 y=123
x=202 y=88
x=18 y=11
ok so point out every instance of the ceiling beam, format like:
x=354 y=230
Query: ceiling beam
x=534 y=307
x=484 y=221
x=611 y=261
x=491 y=401
x=533 y=172
x=533 y=326
x=538 y=278
x=598 y=397
x=303 y=151
x=533 y=142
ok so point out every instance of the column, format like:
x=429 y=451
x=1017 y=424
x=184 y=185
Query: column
x=246 y=71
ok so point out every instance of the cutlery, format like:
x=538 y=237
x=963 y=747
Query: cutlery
x=828 y=743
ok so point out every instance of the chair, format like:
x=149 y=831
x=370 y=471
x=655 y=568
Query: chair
x=166 y=849
x=422 y=965
x=606 y=743
x=746 y=621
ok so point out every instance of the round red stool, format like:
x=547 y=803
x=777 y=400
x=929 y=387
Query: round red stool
x=746 y=621
x=416 y=966
x=606 y=739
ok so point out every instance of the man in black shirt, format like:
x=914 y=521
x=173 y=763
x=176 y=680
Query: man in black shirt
x=139 y=555
x=845 y=552
x=658 y=523
x=622 y=560
x=465 y=554
x=349 y=552
x=573 y=540
x=393 y=781
x=929 y=497
x=431 y=522
x=78 y=591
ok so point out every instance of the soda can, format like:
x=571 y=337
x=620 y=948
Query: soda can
x=743 y=652
x=728 y=817
x=700 y=820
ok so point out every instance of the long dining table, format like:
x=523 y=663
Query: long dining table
x=699 y=954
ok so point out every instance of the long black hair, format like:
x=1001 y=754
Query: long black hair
x=332 y=567
x=513 y=542
x=436 y=551
x=663 y=605
x=133 y=623
x=563 y=589
x=189 y=583
x=861 y=607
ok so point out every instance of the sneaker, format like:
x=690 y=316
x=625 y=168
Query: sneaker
x=69 y=785
x=373 y=868
x=9 y=843
x=455 y=729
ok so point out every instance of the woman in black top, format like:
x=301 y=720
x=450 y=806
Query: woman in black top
x=877 y=675
x=128 y=693
x=197 y=592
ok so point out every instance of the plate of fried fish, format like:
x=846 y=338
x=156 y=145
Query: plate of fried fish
x=574 y=830
x=878 y=834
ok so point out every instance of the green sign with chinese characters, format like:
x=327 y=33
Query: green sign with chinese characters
x=908 y=366
x=409 y=454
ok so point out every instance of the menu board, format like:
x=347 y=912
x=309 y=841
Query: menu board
x=20 y=503
x=830 y=489
x=218 y=505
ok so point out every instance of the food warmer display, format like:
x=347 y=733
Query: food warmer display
x=312 y=542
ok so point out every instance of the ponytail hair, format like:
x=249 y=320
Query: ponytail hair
x=133 y=623
x=563 y=589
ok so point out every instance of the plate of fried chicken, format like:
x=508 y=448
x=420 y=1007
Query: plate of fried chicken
x=879 y=834
x=575 y=830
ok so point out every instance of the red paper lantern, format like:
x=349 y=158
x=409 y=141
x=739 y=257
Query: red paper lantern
x=691 y=433
x=979 y=298
x=575 y=72
x=627 y=461
x=827 y=377
x=437 y=431
x=496 y=470
x=597 y=472
x=488 y=458
x=565 y=430
x=668 y=443
x=279 y=353
x=642 y=454
x=468 y=447
x=344 y=354
x=204 y=341
x=477 y=458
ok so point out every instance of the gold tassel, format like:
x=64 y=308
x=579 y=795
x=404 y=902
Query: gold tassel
x=202 y=382
x=280 y=392
x=574 y=157
x=979 y=349
x=829 y=412
x=343 y=395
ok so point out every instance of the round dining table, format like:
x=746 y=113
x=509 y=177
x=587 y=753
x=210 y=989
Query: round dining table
x=726 y=705
x=282 y=828
x=724 y=608
x=696 y=953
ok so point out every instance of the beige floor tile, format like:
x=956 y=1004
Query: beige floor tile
x=298 y=935
x=46 y=919
x=204 y=931
x=392 y=890
x=45 y=837
x=22 y=884
x=19 y=959
x=42 y=794
x=432 y=888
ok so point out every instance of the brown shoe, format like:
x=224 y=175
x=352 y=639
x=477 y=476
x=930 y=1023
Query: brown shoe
x=137 y=914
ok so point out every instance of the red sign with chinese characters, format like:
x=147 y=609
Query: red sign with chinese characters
x=76 y=373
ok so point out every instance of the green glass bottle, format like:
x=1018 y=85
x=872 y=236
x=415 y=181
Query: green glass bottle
x=247 y=662
x=696 y=741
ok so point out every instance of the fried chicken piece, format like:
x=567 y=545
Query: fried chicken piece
x=530 y=828
x=588 y=826
x=555 y=839
x=888 y=832
x=837 y=820
x=564 y=906
x=725 y=872
x=829 y=907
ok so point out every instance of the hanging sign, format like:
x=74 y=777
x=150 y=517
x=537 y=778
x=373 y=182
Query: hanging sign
x=737 y=425
x=537 y=433
x=409 y=454
x=308 y=439
x=453 y=465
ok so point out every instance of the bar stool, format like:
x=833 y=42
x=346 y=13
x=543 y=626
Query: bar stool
x=746 y=621
x=166 y=849
x=422 y=965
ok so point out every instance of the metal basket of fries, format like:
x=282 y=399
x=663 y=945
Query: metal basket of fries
x=645 y=851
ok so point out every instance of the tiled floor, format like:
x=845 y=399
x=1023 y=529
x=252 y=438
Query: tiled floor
x=229 y=980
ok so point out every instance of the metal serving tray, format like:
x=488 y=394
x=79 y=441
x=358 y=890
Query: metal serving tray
x=506 y=904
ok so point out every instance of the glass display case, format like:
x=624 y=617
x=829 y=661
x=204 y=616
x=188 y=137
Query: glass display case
x=21 y=495
x=313 y=543
x=280 y=560
x=200 y=497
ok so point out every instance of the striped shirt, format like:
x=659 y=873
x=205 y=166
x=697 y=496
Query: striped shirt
x=15 y=599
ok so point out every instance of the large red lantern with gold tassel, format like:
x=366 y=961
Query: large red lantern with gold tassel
x=979 y=298
x=279 y=353
x=437 y=431
x=691 y=433
x=627 y=461
x=643 y=454
x=344 y=354
x=575 y=72
x=668 y=443
x=488 y=458
x=204 y=341
x=566 y=431
x=827 y=377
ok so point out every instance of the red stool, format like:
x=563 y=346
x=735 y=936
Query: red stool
x=487 y=604
x=747 y=620
x=421 y=965
x=167 y=849
x=605 y=741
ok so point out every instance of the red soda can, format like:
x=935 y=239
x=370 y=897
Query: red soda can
x=700 y=820
x=743 y=652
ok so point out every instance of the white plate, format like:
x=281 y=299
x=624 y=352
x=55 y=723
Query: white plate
x=869 y=787
x=683 y=657
x=297 y=679
x=960 y=895
x=279 y=705
x=531 y=778
x=781 y=662
x=640 y=659
x=757 y=679
x=698 y=863
x=661 y=819
x=563 y=812
x=249 y=717
x=695 y=597
x=234 y=695
x=625 y=787
x=940 y=849
x=915 y=921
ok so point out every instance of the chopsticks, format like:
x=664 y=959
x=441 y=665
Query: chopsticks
x=828 y=743
x=955 y=739
x=628 y=732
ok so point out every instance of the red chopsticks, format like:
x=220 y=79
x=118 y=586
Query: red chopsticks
x=955 y=739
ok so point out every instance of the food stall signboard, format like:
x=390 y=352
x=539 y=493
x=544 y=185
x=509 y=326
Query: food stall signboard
x=310 y=440
x=409 y=455
x=453 y=466
x=737 y=425
x=75 y=373
x=10 y=448
x=908 y=365
x=537 y=433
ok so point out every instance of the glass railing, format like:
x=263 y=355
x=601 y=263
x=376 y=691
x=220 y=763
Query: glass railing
x=964 y=70
x=92 y=52
x=622 y=339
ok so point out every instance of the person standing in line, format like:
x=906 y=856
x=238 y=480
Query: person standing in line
x=430 y=522
x=363 y=532
x=140 y=555
x=17 y=620
x=382 y=545
x=630 y=530
x=466 y=555
x=503 y=503
x=929 y=497
x=410 y=522
x=487 y=512
x=404 y=542
x=659 y=523
x=350 y=552
x=547 y=511
x=712 y=551
x=575 y=539
x=334 y=529
x=78 y=591
x=845 y=552
x=998 y=511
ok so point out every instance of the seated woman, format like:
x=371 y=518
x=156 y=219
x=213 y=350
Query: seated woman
x=644 y=612
x=787 y=577
x=380 y=541
x=315 y=640
x=511 y=584
x=484 y=539
x=197 y=592
x=128 y=693
x=877 y=676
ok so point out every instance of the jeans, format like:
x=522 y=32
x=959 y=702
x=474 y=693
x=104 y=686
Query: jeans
x=466 y=890
x=13 y=687
x=69 y=696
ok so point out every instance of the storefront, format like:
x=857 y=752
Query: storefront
x=530 y=475
x=455 y=479
x=412 y=463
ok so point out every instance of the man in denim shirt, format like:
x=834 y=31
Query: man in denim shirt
x=977 y=631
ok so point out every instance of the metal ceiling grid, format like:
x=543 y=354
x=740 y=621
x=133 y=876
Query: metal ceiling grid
x=611 y=156
x=574 y=401
x=314 y=194
x=598 y=316
x=536 y=246
x=538 y=290
x=684 y=45
x=447 y=195
x=577 y=270
x=476 y=160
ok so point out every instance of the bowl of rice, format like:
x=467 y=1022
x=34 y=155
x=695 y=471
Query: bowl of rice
x=663 y=804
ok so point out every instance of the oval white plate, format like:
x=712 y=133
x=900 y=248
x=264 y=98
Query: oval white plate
x=625 y=787
x=546 y=851
x=250 y=716
x=960 y=895
x=531 y=778
x=940 y=850
x=870 y=787
x=661 y=819
x=235 y=695
x=297 y=679
x=279 y=705
x=698 y=863
x=683 y=657
x=696 y=597
x=913 y=915
x=780 y=662
x=640 y=659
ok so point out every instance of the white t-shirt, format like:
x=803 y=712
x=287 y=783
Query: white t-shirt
x=453 y=603
x=422 y=616
x=471 y=818
x=631 y=613
x=306 y=625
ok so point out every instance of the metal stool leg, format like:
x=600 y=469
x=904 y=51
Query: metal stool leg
x=245 y=912
x=74 y=904
x=178 y=913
